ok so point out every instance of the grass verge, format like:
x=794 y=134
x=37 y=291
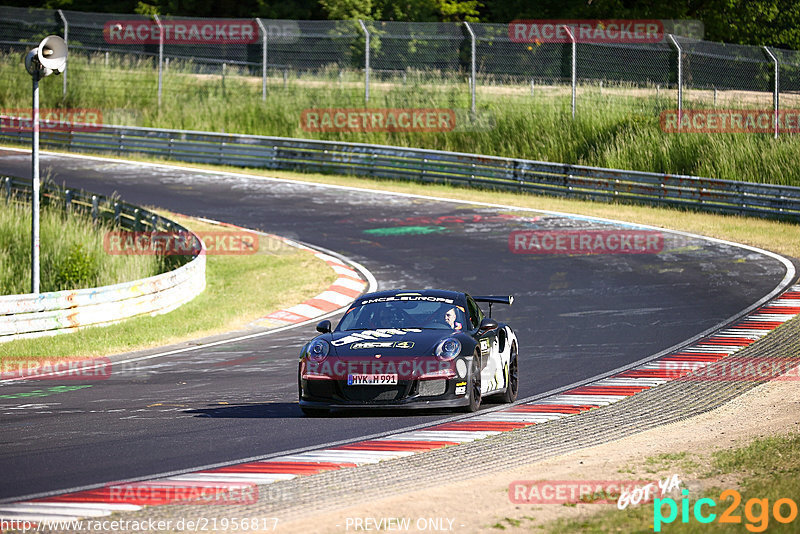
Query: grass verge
x=615 y=127
x=766 y=470
x=239 y=289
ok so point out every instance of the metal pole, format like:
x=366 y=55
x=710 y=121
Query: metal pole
x=263 y=59
x=366 y=61
x=680 y=77
x=472 y=65
x=66 y=41
x=36 y=187
x=574 y=66
x=160 y=54
x=775 y=91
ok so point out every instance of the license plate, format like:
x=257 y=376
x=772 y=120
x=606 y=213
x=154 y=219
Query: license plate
x=371 y=380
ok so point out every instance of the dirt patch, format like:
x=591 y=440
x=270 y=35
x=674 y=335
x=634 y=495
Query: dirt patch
x=482 y=504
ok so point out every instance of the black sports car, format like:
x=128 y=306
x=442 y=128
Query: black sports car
x=410 y=349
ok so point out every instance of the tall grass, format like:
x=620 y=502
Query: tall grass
x=71 y=252
x=614 y=126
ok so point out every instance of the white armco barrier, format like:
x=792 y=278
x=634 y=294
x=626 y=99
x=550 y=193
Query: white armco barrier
x=62 y=311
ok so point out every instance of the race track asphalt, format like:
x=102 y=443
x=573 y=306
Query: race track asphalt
x=576 y=316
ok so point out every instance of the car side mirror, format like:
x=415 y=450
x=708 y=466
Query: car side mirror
x=323 y=327
x=488 y=324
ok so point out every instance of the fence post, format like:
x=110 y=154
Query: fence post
x=775 y=90
x=264 y=36
x=574 y=66
x=680 y=77
x=160 y=54
x=66 y=41
x=472 y=64
x=366 y=61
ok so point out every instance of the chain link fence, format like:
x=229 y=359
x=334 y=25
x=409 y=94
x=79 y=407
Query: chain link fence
x=153 y=58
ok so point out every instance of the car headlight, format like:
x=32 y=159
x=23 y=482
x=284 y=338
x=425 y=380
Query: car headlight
x=318 y=350
x=447 y=349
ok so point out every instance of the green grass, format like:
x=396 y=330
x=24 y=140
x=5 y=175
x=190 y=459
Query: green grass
x=660 y=462
x=615 y=126
x=239 y=289
x=71 y=252
x=767 y=468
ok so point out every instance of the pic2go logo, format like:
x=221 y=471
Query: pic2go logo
x=756 y=511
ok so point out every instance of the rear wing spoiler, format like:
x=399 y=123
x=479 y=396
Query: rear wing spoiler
x=495 y=300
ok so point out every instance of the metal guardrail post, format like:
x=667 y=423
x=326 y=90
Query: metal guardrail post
x=160 y=54
x=471 y=64
x=574 y=66
x=66 y=41
x=264 y=43
x=366 y=60
x=680 y=77
x=775 y=90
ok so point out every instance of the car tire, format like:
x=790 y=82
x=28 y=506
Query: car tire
x=512 y=378
x=474 y=386
x=309 y=411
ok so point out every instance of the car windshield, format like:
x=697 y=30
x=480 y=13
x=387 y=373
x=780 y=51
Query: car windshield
x=404 y=314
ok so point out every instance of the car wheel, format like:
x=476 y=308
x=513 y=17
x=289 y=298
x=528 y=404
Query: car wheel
x=474 y=386
x=307 y=410
x=512 y=378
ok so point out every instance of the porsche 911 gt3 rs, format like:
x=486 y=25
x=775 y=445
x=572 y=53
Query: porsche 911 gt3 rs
x=410 y=349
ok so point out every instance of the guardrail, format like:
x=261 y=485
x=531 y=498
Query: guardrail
x=380 y=161
x=33 y=315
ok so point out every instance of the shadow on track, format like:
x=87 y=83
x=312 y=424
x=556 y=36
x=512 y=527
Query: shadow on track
x=291 y=410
